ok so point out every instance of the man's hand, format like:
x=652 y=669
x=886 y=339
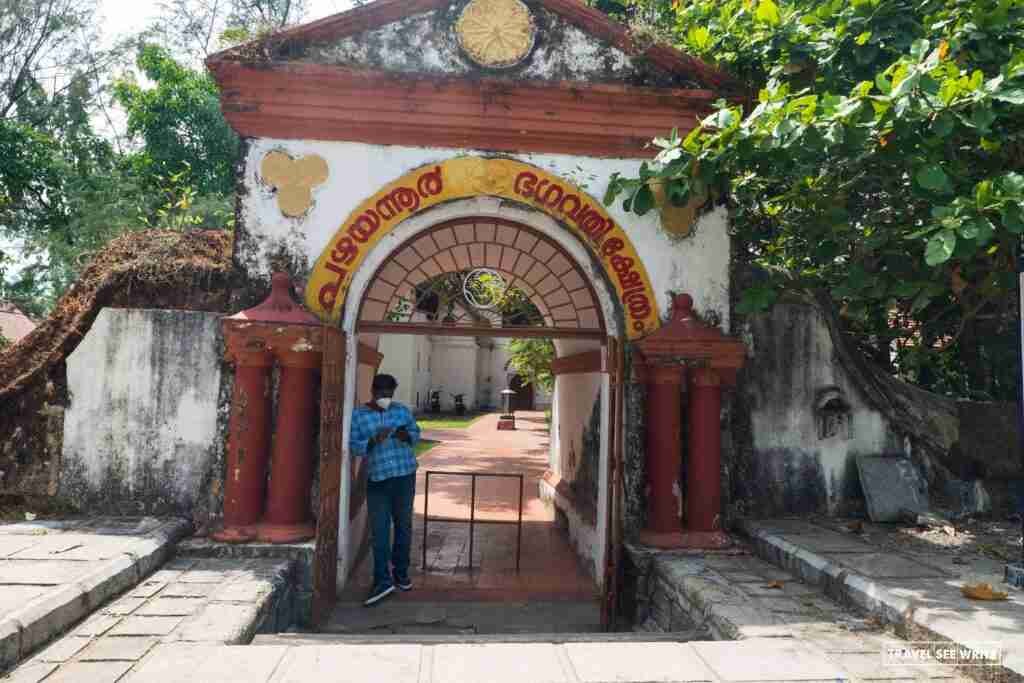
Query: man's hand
x=402 y=434
x=381 y=436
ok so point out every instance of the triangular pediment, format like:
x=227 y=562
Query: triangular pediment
x=530 y=41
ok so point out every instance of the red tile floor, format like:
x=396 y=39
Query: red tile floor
x=549 y=569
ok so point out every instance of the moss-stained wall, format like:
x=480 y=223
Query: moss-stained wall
x=143 y=431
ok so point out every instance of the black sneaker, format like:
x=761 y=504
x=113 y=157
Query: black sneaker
x=403 y=584
x=378 y=594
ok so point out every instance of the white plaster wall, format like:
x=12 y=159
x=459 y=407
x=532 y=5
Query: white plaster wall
x=453 y=369
x=141 y=427
x=400 y=361
x=697 y=265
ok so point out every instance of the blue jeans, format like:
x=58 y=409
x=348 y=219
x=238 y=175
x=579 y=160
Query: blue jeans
x=391 y=500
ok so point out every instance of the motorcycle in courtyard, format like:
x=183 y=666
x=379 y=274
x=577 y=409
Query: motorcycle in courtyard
x=460 y=404
x=435 y=401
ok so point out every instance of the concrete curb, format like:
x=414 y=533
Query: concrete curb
x=50 y=615
x=845 y=585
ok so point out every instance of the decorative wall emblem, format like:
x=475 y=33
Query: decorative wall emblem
x=469 y=176
x=294 y=180
x=496 y=33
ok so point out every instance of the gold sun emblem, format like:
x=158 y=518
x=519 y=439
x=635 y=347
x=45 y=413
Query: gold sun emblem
x=496 y=33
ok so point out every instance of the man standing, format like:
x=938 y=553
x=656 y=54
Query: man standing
x=384 y=432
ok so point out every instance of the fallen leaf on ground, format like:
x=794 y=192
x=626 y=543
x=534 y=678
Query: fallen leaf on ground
x=774 y=584
x=982 y=591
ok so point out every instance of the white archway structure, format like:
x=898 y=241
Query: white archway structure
x=477 y=207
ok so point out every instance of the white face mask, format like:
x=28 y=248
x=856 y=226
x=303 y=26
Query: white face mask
x=383 y=403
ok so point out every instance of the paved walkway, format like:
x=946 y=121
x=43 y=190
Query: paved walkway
x=916 y=591
x=548 y=566
x=749 y=661
x=52 y=573
x=188 y=601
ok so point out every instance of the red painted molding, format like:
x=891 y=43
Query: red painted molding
x=290 y=100
x=383 y=12
x=585 y=361
x=369 y=356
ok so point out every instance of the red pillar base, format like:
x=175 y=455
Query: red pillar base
x=235 y=534
x=506 y=423
x=692 y=540
x=285 y=533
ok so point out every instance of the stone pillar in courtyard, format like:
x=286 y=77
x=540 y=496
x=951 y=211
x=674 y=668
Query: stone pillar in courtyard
x=686 y=351
x=276 y=331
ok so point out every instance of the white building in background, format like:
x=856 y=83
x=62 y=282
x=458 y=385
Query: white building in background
x=473 y=367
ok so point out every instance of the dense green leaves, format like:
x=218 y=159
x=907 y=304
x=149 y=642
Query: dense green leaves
x=879 y=161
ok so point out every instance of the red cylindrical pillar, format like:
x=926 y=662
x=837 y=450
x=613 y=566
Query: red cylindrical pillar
x=704 y=466
x=248 y=445
x=287 y=518
x=664 y=453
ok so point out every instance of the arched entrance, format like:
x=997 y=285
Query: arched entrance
x=553 y=241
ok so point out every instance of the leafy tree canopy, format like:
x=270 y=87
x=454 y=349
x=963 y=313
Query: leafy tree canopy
x=878 y=159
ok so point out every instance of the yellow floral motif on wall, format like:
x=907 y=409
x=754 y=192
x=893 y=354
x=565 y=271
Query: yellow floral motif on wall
x=470 y=176
x=496 y=33
x=294 y=180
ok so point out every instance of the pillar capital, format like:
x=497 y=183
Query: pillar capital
x=304 y=360
x=705 y=377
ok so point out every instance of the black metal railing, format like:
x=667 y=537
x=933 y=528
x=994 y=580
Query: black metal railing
x=472 y=521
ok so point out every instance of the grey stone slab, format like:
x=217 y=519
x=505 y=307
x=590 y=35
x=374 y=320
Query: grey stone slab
x=40 y=527
x=885 y=566
x=190 y=590
x=640 y=662
x=13 y=544
x=97 y=625
x=825 y=541
x=50 y=615
x=10 y=643
x=242 y=591
x=947 y=594
x=870 y=667
x=891 y=484
x=148 y=589
x=781 y=526
x=43 y=573
x=31 y=672
x=180 y=564
x=392 y=663
x=171 y=607
x=498 y=663
x=124 y=606
x=769 y=659
x=72 y=546
x=187 y=663
x=13 y=598
x=121 y=526
x=62 y=649
x=791 y=589
x=93 y=672
x=112 y=649
x=145 y=626
x=229 y=623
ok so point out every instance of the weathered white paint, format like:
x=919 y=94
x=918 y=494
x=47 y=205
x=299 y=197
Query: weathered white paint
x=698 y=265
x=793 y=368
x=454 y=369
x=142 y=421
x=425 y=44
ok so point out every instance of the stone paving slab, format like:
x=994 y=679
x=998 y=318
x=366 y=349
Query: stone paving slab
x=81 y=564
x=116 y=638
x=921 y=599
x=749 y=661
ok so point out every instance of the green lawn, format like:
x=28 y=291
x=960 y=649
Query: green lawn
x=447 y=420
x=423 y=446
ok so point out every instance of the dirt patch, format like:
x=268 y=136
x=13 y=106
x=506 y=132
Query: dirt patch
x=149 y=269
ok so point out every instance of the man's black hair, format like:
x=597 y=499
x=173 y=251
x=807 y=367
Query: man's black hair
x=385 y=382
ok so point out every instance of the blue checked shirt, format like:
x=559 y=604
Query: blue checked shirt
x=393 y=457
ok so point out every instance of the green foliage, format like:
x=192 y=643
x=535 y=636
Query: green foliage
x=878 y=162
x=531 y=360
x=180 y=121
